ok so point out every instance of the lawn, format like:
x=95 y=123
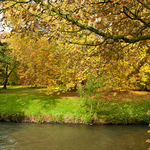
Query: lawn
x=23 y=104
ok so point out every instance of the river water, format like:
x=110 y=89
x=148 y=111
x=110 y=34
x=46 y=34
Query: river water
x=28 y=136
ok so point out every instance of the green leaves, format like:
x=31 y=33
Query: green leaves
x=38 y=1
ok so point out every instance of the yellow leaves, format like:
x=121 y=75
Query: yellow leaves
x=147 y=69
x=115 y=94
x=51 y=61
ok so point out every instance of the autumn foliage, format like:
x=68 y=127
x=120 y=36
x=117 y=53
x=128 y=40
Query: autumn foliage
x=61 y=43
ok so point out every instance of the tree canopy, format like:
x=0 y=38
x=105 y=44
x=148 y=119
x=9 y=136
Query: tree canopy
x=93 y=35
x=111 y=21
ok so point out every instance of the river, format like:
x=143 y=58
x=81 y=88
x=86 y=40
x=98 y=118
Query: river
x=29 y=136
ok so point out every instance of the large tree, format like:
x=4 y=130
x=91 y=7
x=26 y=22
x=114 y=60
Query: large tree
x=7 y=64
x=111 y=21
x=117 y=31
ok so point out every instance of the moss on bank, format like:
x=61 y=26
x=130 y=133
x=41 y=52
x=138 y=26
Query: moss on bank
x=19 y=104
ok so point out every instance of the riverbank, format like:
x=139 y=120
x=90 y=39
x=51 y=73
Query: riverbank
x=20 y=104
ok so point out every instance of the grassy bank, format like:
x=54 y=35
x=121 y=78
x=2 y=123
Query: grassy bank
x=22 y=104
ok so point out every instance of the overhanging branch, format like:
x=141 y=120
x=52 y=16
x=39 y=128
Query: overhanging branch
x=85 y=44
x=145 y=5
x=16 y=2
x=136 y=17
x=98 y=32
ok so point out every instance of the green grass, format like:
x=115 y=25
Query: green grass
x=19 y=101
x=125 y=112
x=31 y=102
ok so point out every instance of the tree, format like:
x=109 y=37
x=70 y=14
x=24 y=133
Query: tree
x=46 y=63
x=7 y=64
x=114 y=32
x=2 y=56
x=111 y=21
x=3 y=47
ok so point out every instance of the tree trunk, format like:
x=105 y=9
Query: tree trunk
x=7 y=75
x=5 y=83
x=6 y=78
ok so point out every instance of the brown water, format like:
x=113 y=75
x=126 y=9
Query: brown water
x=28 y=136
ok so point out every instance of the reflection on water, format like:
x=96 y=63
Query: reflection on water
x=28 y=136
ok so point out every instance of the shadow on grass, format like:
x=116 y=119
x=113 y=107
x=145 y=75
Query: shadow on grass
x=17 y=103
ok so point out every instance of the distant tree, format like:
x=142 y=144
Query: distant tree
x=3 y=60
x=3 y=49
x=7 y=64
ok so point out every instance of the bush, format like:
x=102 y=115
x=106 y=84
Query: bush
x=88 y=93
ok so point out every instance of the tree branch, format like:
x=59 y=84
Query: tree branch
x=136 y=17
x=16 y=2
x=85 y=44
x=145 y=5
x=98 y=32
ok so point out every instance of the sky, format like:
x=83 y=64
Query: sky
x=3 y=28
